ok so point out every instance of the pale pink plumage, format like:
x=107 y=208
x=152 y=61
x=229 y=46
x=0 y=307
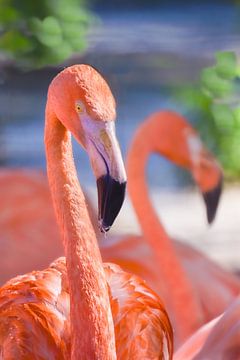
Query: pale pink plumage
x=187 y=280
x=217 y=340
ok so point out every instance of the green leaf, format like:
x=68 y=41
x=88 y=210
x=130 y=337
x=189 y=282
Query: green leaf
x=213 y=84
x=8 y=15
x=58 y=54
x=38 y=33
x=226 y=64
x=50 y=25
x=72 y=30
x=72 y=14
x=77 y=44
x=193 y=98
x=236 y=114
x=14 y=41
x=48 y=31
x=238 y=71
x=74 y=34
x=232 y=151
x=223 y=117
x=49 y=40
x=35 y=25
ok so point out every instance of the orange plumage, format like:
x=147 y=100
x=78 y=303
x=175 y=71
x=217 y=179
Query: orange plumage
x=69 y=311
x=34 y=315
x=35 y=319
x=142 y=326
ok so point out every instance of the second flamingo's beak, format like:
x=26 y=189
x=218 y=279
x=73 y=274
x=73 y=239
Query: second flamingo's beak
x=106 y=160
x=211 y=199
x=206 y=172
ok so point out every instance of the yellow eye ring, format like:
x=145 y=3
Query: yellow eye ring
x=79 y=108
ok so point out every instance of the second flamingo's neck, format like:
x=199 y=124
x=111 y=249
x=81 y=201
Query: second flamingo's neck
x=92 y=330
x=184 y=305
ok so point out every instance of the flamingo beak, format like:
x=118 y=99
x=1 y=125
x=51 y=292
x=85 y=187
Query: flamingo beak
x=107 y=164
x=111 y=195
x=211 y=199
x=206 y=172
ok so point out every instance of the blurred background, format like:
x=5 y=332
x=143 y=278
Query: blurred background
x=155 y=55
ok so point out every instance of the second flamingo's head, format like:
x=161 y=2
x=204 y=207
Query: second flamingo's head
x=169 y=134
x=84 y=104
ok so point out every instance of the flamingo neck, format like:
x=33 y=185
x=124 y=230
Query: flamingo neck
x=92 y=330
x=184 y=306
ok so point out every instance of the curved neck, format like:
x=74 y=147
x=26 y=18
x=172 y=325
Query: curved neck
x=151 y=226
x=179 y=288
x=92 y=331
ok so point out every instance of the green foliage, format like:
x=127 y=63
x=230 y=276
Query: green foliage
x=226 y=64
x=34 y=34
x=214 y=101
x=213 y=84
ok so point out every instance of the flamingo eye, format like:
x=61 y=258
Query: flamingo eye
x=79 y=108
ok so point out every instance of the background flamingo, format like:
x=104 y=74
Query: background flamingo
x=175 y=270
x=35 y=307
x=28 y=228
x=218 y=339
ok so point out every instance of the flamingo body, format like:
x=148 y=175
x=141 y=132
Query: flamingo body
x=34 y=309
x=219 y=339
x=134 y=255
x=27 y=222
x=174 y=270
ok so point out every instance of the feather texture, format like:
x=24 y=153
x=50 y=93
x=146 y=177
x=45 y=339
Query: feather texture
x=35 y=316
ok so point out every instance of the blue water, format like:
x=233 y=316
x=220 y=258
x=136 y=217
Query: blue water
x=143 y=54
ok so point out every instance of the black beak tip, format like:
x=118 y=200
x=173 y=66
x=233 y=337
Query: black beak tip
x=211 y=199
x=111 y=195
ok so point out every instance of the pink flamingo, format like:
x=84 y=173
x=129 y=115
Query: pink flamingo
x=35 y=319
x=188 y=282
x=27 y=222
x=219 y=339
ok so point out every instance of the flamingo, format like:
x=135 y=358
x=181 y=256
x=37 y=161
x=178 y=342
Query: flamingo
x=27 y=222
x=188 y=281
x=219 y=339
x=69 y=310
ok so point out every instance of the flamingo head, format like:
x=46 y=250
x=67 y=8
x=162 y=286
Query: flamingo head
x=83 y=102
x=173 y=137
x=205 y=170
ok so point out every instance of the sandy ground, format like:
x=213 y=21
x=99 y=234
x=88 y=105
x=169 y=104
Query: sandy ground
x=183 y=215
